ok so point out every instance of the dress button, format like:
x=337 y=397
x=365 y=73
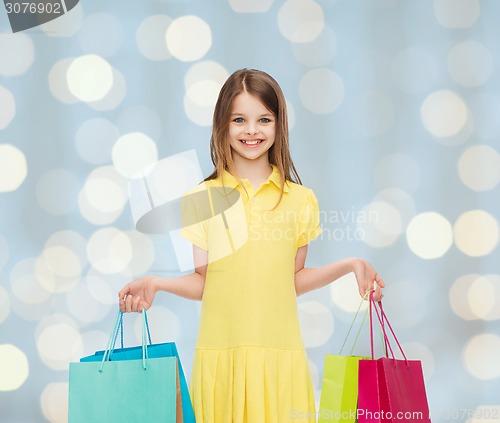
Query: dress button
x=255 y=199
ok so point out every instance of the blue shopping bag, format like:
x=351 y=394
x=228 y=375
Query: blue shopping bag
x=165 y=351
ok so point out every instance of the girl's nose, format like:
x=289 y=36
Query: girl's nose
x=251 y=130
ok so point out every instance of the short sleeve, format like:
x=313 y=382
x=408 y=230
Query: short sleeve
x=308 y=225
x=193 y=220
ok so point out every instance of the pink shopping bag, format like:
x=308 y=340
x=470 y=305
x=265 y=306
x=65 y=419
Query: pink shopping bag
x=390 y=389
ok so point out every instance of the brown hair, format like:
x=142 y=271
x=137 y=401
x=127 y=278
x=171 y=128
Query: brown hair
x=264 y=87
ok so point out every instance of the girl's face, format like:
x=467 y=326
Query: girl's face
x=252 y=128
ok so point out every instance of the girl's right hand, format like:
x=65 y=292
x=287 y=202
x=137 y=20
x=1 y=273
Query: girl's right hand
x=138 y=295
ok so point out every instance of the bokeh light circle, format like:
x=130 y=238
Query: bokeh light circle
x=54 y=402
x=104 y=195
x=58 y=81
x=8 y=109
x=104 y=287
x=189 y=38
x=114 y=96
x=57 y=191
x=480 y=356
x=470 y=63
x=317 y=322
x=429 y=235
x=203 y=82
x=58 y=344
x=133 y=152
x=89 y=77
x=476 y=233
x=300 y=21
x=344 y=294
x=14 y=367
x=65 y=254
x=31 y=281
x=109 y=250
x=150 y=37
x=459 y=299
x=321 y=90
x=381 y=224
x=17 y=52
x=143 y=253
x=94 y=140
x=444 y=113
x=62 y=261
x=483 y=297
x=204 y=93
x=457 y=13
x=479 y=168
x=13 y=168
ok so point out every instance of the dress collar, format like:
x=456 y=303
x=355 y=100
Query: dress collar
x=229 y=180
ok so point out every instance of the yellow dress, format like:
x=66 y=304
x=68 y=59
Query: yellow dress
x=250 y=364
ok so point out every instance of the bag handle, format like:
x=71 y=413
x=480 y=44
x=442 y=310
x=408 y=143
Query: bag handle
x=114 y=334
x=121 y=331
x=352 y=325
x=365 y=297
x=382 y=318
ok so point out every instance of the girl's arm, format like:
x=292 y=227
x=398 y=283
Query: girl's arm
x=308 y=279
x=140 y=293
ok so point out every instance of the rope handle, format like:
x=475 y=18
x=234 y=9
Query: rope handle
x=382 y=318
x=121 y=332
x=118 y=326
x=365 y=297
x=352 y=325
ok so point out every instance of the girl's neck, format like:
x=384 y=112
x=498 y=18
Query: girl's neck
x=256 y=171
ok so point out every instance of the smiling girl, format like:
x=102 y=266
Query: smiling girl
x=250 y=364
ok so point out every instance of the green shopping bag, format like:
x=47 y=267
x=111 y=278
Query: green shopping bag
x=339 y=390
x=144 y=390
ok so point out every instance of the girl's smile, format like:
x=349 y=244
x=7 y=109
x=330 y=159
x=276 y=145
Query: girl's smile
x=252 y=142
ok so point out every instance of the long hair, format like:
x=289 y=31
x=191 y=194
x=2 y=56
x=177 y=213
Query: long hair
x=264 y=87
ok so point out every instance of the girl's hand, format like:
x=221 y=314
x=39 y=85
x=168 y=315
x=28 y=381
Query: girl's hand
x=365 y=277
x=137 y=295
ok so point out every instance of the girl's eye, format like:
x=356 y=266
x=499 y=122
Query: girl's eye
x=265 y=120
x=238 y=120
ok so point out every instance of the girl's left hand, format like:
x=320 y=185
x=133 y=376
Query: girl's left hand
x=366 y=275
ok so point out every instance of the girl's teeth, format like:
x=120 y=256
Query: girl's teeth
x=252 y=142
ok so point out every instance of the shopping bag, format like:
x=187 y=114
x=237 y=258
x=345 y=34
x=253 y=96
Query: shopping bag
x=339 y=388
x=124 y=391
x=167 y=349
x=390 y=389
